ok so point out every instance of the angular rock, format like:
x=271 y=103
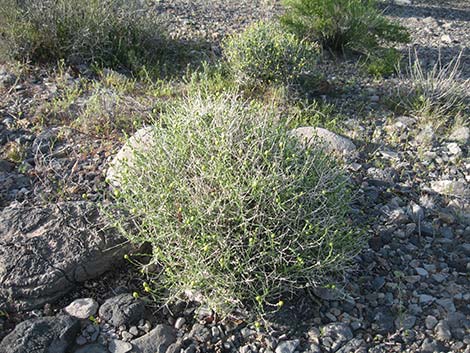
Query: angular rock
x=451 y=187
x=122 y=309
x=339 y=333
x=329 y=140
x=42 y=335
x=156 y=341
x=287 y=346
x=140 y=142
x=45 y=251
x=461 y=135
x=118 y=346
x=82 y=308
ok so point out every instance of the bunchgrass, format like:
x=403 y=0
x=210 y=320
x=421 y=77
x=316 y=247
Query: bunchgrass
x=237 y=210
x=438 y=93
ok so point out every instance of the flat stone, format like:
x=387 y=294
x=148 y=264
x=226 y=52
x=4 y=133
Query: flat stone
x=45 y=334
x=447 y=304
x=82 y=308
x=287 y=346
x=118 y=346
x=406 y=322
x=122 y=309
x=451 y=187
x=426 y=299
x=156 y=341
x=46 y=250
x=422 y=272
x=328 y=140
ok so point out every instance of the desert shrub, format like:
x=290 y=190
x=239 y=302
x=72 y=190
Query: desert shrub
x=108 y=32
x=237 y=210
x=437 y=92
x=383 y=62
x=342 y=24
x=264 y=54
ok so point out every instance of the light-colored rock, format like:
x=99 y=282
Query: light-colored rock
x=287 y=346
x=451 y=187
x=82 y=308
x=140 y=142
x=118 y=346
x=330 y=141
x=461 y=135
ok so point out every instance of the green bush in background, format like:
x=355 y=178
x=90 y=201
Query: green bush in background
x=237 y=210
x=107 y=32
x=265 y=54
x=342 y=24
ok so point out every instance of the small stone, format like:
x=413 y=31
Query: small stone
x=442 y=331
x=450 y=187
x=461 y=135
x=134 y=331
x=446 y=39
x=426 y=299
x=179 y=323
x=438 y=277
x=82 y=308
x=374 y=98
x=447 y=304
x=430 y=322
x=118 y=346
x=287 y=346
x=422 y=272
x=123 y=309
x=215 y=331
x=454 y=149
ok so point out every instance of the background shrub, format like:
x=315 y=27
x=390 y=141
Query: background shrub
x=264 y=54
x=235 y=208
x=342 y=24
x=108 y=32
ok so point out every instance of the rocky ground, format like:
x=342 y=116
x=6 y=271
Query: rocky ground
x=63 y=283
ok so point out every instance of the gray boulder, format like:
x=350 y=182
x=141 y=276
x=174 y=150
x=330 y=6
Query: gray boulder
x=45 y=251
x=328 y=140
x=123 y=309
x=42 y=335
x=156 y=341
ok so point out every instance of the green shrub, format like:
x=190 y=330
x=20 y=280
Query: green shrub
x=342 y=24
x=383 y=62
x=236 y=209
x=108 y=32
x=265 y=54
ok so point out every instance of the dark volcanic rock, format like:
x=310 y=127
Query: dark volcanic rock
x=156 y=341
x=45 y=251
x=123 y=309
x=42 y=335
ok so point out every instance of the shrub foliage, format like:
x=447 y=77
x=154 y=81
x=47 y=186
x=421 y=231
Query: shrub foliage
x=342 y=24
x=107 y=32
x=236 y=209
x=264 y=54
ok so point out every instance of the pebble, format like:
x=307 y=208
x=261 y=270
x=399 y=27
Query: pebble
x=82 y=308
x=426 y=299
x=422 y=272
x=118 y=346
x=430 y=322
x=179 y=323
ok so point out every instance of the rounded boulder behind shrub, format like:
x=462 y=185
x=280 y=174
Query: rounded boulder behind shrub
x=238 y=211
